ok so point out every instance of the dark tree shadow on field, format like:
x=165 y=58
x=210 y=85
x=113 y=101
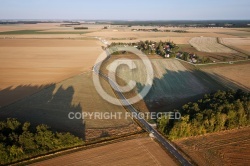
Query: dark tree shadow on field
x=12 y=94
x=47 y=107
x=180 y=87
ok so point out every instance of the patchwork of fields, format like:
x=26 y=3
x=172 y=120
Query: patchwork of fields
x=45 y=74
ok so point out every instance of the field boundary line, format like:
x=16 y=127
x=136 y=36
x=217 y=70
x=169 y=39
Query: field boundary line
x=218 y=40
x=91 y=144
x=212 y=63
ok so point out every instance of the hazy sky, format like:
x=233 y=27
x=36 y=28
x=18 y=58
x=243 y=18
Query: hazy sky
x=125 y=9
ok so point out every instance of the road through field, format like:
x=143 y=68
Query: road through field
x=166 y=144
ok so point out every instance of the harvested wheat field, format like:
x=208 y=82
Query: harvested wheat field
x=171 y=85
x=209 y=44
x=233 y=76
x=242 y=44
x=38 y=62
x=140 y=151
x=77 y=94
x=223 y=148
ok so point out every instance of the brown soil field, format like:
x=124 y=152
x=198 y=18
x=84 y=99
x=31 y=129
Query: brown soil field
x=52 y=105
x=140 y=151
x=38 y=62
x=223 y=148
x=233 y=76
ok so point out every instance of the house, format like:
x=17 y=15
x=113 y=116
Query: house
x=166 y=56
x=191 y=55
x=193 y=60
x=179 y=55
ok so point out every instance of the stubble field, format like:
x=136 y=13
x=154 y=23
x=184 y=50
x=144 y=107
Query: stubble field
x=39 y=62
x=233 y=76
x=209 y=44
x=223 y=148
x=243 y=44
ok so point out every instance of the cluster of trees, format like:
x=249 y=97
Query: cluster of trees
x=165 y=49
x=219 y=111
x=151 y=30
x=18 y=141
x=180 y=31
x=77 y=28
x=151 y=47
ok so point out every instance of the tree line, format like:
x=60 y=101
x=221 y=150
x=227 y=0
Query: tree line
x=18 y=141
x=218 y=111
x=77 y=28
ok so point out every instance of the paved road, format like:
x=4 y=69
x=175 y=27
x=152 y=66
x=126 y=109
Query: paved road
x=143 y=122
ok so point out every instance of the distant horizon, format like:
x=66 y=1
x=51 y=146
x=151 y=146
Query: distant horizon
x=125 y=10
x=128 y=20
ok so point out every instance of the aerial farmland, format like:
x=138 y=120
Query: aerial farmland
x=124 y=83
